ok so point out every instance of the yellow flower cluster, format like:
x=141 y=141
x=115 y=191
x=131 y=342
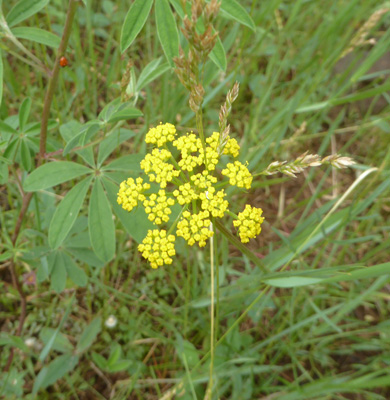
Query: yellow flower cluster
x=203 y=180
x=232 y=148
x=158 y=248
x=185 y=194
x=197 y=191
x=212 y=157
x=188 y=145
x=195 y=228
x=157 y=169
x=158 y=207
x=249 y=223
x=238 y=175
x=161 y=134
x=130 y=193
x=214 y=203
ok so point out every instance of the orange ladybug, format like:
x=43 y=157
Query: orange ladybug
x=63 y=62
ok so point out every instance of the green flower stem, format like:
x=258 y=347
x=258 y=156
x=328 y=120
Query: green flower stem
x=199 y=125
x=194 y=206
x=235 y=242
x=235 y=216
x=217 y=283
x=212 y=327
x=173 y=226
x=236 y=322
x=221 y=185
x=182 y=174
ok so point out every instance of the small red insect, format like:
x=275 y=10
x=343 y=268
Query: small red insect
x=63 y=62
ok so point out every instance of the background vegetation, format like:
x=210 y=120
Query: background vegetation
x=314 y=76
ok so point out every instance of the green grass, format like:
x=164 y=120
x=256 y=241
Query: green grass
x=325 y=341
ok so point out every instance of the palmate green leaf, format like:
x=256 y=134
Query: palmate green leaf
x=24 y=113
x=55 y=370
x=167 y=30
x=37 y=35
x=67 y=212
x=89 y=335
x=111 y=142
x=134 y=21
x=135 y=222
x=23 y=10
x=236 y=11
x=5 y=128
x=53 y=173
x=100 y=224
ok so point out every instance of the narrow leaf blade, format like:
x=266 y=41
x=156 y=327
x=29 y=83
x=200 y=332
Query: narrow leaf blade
x=75 y=273
x=135 y=222
x=127 y=113
x=23 y=10
x=25 y=155
x=100 y=224
x=57 y=369
x=58 y=274
x=89 y=335
x=1 y=77
x=167 y=30
x=66 y=213
x=24 y=113
x=37 y=35
x=134 y=22
x=218 y=55
x=236 y=11
x=54 y=173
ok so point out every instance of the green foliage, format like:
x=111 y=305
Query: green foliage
x=37 y=35
x=100 y=224
x=24 y=9
x=134 y=21
x=52 y=174
x=167 y=30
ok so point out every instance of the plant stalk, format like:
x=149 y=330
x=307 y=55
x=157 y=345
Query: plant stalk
x=41 y=155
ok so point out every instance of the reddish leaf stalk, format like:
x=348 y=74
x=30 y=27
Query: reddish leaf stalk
x=41 y=156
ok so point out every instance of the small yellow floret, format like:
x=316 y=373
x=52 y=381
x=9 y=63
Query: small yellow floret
x=195 y=228
x=161 y=134
x=158 y=248
x=238 y=175
x=131 y=192
x=249 y=223
x=157 y=207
